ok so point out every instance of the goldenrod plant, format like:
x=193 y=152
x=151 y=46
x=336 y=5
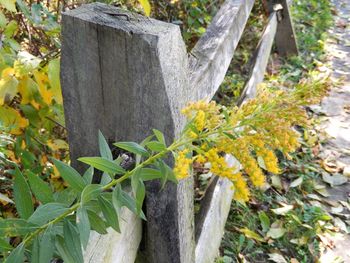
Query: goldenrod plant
x=60 y=226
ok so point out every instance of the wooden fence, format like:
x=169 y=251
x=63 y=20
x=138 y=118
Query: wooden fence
x=125 y=74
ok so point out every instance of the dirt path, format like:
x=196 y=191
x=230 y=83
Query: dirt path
x=336 y=124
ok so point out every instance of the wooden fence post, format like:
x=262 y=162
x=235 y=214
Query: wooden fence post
x=125 y=74
x=285 y=37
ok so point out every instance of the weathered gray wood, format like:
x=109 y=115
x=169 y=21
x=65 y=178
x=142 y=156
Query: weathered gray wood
x=116 y=247
x=261 y=59
x=285 y=36
x=212 y=54
x=126 y=74
x=210 y=225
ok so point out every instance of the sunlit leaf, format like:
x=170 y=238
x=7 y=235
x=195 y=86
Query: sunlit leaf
x=251 y=234
x=146 y=6
x=8 y=85
x=10 y=5
x=54 y=78
x=11 y=119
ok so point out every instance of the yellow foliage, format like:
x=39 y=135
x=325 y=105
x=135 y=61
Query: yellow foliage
x=146 y=6
x=12 y=120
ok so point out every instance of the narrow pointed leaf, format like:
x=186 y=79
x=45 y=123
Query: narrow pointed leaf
x=156 y=146
x=88 y=175
x=22 y=196
x=41 y=190
x=72 y=241
x=105 y=151
x=90 y=192
x=17 y=255
x=160 y=136
x=47 y=212
x=132 y=147
x=83 y=225
x=109 y=213
x=97 y=223
x=103 y=164
x=70 y=175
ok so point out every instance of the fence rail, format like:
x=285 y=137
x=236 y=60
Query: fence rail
x=125 y=74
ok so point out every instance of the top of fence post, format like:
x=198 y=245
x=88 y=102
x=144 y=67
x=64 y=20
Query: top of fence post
x=125 y=74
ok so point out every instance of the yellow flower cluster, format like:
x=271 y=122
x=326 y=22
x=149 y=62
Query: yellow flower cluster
x=206 y=115
x=182 y=165
x=251 y=133
x=219 y=167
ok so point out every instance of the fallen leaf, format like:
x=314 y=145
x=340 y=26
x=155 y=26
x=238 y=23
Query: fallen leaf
x=276 y=233
x=278 y=258
x=251 y=234
x=334 y=180
x=296 y=182
x=282 y=210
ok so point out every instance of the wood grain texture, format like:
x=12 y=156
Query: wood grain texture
x=286 y=43
x=212 y=54
x=260 y=60
x=126 y=74
x=116 y=247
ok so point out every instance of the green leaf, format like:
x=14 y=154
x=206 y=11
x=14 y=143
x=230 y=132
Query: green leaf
x=10 y=5
x=148 y=174
x=167 y=173
x=105 y=179
x=276 y=233
x=13 y=227
x=22 y=195
x=156 y=146
x=17 y=255
x=264 y=221
x=103 y=164
x=105 y=151
x=8 y=88
x=63 y=250
x=46 y=247
x=83 y=225
x=88 y=175
x=70 y=175
x=41 y=190
x=54 y=79
x=97 y=223
x=132 y=147
x=109 y=213
x=5 y=246
x=72 y=241
x=47 y=212
x=66 y=196
x=146 y=6
x=160 y=136
x=90 y=192
x=121 y=198
x=251 y=234
x=3 y=20
x=139 y=190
